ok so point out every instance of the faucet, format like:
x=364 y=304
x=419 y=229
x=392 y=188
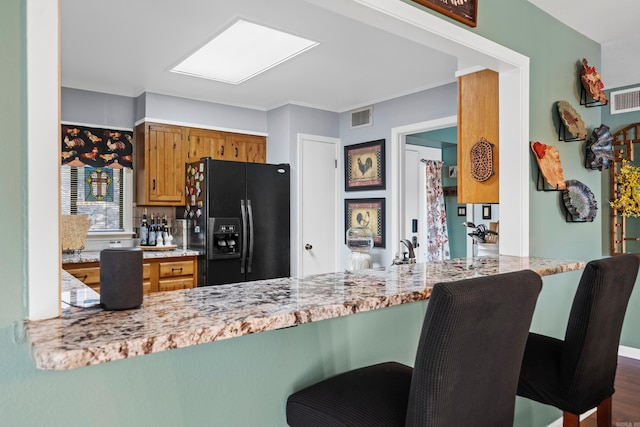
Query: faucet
x=409 y=245
x=402 y=260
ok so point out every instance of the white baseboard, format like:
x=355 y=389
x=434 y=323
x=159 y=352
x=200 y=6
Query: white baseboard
x=631 y=353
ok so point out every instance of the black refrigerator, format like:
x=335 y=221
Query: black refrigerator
x=238 y=219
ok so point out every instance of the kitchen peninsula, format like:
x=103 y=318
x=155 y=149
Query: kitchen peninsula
x=170 y=320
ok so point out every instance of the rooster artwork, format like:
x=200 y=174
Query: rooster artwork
x=96 y=147
x=366 y=213
x=364 y=166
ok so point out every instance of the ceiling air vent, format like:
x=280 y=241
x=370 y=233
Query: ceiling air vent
x=624 y=101
x=362 y=117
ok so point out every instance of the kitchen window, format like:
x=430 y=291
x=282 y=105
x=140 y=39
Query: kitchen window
x=100 y=193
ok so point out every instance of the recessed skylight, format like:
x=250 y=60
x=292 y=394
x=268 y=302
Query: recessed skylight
x=242 y=51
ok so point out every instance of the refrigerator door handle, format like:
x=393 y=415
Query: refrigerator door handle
x=243 y=256
x=250 y=259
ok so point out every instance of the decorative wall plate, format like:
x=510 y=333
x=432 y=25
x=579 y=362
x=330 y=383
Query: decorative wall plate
x=592 y=83
x=548 y=160
x=579 y=201
x=482 y=160
x=572 y=120
x=599 y=148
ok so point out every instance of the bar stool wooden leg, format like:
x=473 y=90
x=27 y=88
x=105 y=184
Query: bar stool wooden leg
x=570 y=420
x=604 y=413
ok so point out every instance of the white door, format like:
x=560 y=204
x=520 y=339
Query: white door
x=415 y=198
x=318 y=235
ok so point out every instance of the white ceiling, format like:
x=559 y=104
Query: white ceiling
x=127 y=47
x=613 y=24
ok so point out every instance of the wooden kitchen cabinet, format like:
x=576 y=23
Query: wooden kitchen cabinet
x=478 y=117
x=176 y=275
x=234 y=147
x=206 y=143
x=161 y=152
x=87 y=272
x=158 y=274
x=248 y=148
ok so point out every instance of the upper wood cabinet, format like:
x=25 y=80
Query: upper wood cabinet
x=206 y=143
x=477 y=118
x=218 y=145
x=162 y=151
x=248 y=148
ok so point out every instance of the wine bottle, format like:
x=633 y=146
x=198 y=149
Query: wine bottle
x=152 y=232
x=165 y=229
x=144 y=231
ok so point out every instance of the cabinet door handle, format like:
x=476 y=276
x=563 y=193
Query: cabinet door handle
x=154 y=184
x=222 y=150
x=236 y=151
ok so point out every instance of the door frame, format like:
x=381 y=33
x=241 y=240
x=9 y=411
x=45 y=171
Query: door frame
x=399 y=138
x=300 y=194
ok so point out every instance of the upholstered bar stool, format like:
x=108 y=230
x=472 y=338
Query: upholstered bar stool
x=466 y=367
x=577 y=374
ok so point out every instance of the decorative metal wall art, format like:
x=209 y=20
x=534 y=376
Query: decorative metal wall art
x=482 y=160
x=573 y=123
x=579 y=201
x=548 y=160
x=599 y=148
x=592 y=84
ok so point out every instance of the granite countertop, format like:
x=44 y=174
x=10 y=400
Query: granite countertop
x=94 y=256
x=169 y=320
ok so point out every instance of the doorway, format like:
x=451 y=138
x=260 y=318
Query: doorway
x=415 y=203
x=317 y=247
x=444 y=142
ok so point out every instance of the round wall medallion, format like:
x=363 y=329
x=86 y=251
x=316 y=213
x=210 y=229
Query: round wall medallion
x=482 y=160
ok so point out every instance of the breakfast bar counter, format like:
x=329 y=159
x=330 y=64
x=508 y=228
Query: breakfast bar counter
x=89 y=335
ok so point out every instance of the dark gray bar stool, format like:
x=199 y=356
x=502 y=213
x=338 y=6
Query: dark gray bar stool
x=121 y=278
x=466 y=368
x=577 y=374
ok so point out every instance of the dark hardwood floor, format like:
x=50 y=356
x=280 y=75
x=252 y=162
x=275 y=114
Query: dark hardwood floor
x=626 y=399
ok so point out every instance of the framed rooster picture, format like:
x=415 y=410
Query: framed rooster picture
x=364 y=166
x=366 y=213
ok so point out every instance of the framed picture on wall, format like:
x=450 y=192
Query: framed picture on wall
x=366 y=213
x=465 y=11
x=486 y=211
x=364 y=166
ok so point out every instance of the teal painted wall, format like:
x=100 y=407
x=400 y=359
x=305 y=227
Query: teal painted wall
x=245 y=381
x=457 y=232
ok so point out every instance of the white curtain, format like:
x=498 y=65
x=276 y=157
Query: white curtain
x=437 y=248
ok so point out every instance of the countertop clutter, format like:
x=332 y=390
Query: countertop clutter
x=169 y=320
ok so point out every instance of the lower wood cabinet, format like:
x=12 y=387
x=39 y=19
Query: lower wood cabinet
x=158 y=274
